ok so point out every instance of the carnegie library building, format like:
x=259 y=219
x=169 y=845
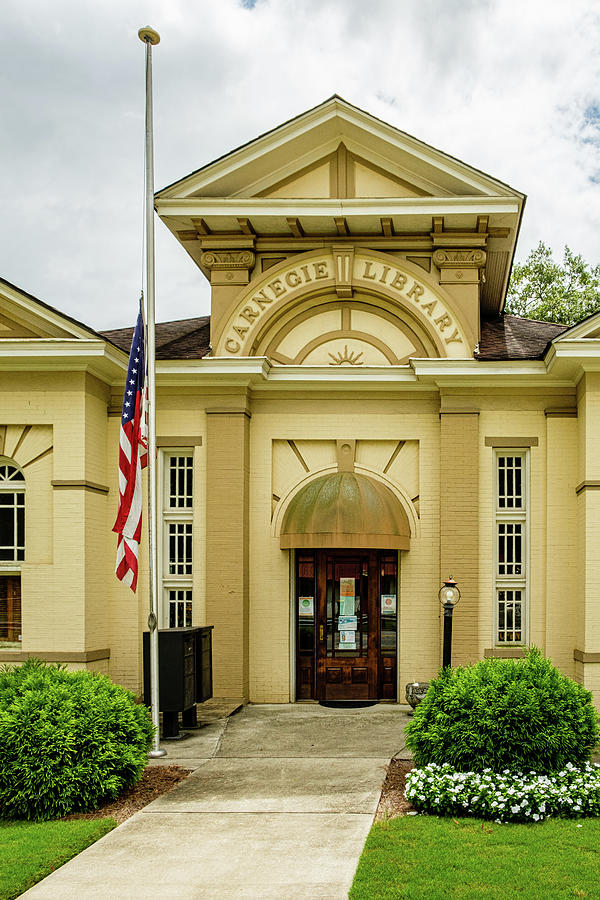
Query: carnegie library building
x=355 y=421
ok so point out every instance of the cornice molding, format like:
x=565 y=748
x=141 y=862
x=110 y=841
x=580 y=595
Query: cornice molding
x=256 y=206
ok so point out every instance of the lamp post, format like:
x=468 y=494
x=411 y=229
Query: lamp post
x=449 y=595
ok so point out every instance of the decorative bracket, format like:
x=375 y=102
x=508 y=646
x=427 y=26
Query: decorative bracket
x=343 y=265
x=228 y=266
x=459 y=265
x=346 y=453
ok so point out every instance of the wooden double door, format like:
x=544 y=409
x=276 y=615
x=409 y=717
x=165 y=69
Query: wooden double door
x=346 y=613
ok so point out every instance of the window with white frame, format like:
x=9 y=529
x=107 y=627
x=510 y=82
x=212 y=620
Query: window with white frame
x=12 y=548
x=511 y=553
x=177 y=552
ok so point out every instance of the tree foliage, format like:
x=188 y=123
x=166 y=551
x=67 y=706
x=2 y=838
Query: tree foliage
x=540 y=288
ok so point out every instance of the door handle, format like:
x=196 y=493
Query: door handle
x=321 y=629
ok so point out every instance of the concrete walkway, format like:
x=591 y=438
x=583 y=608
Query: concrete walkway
x=278 y=806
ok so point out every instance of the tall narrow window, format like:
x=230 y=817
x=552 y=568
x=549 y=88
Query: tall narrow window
x=12 y=548
x=511 y=557
x=177 y=558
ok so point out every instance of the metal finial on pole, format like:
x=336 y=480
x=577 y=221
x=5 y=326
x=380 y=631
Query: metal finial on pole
x=149 y=37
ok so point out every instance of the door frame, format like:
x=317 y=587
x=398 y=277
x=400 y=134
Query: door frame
x=386 y=676
x=325 y=660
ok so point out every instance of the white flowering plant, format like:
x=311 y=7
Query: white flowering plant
x=507 y=796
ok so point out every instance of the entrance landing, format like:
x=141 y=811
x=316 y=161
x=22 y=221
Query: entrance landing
x=279 y=805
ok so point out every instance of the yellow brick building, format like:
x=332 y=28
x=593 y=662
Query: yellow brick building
x=355 y=421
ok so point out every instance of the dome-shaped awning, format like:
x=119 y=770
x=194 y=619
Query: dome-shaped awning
x=345 y=509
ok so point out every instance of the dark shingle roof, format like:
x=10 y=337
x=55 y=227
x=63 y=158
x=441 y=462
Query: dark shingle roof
x=506 y=337
x=511 y=337
x=182 y=339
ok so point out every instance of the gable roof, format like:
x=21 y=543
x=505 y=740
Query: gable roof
x=51 y=319
x=318 y=130
x=512 y=337
x=504 y=338
x=178 y=339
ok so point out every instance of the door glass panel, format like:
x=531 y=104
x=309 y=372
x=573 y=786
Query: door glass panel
x=388 y=602
x=305 y=591
x=347 y=619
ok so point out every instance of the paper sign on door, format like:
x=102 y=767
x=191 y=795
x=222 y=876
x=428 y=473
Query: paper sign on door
x=348 y=640
x=347 y=596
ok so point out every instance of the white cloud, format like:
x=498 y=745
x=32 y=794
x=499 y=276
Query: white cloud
x=509 y=87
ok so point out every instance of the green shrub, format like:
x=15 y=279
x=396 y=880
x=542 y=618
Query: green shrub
x=504 y=714
x=68 y=740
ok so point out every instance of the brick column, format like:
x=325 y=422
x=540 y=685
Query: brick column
x=562 y=570
x=459 y=525
x=227 y=460
x=587 y=651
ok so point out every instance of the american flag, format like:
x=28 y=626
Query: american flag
x=133 y=457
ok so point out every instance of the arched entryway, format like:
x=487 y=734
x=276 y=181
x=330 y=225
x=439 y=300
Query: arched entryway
x=346 y=530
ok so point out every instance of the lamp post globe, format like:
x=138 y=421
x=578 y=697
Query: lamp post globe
x=449 y=595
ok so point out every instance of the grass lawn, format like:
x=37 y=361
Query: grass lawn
x=426 y=856
x=31 y=850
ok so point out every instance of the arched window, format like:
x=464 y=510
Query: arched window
x=12 y=548
x=12 y=512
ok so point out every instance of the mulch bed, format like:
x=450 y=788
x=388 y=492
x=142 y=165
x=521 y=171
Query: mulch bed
x=155 y=781
x=392 y=802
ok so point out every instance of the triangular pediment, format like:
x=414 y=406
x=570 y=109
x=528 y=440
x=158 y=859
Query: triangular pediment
x=339 y=175
x=24 y=317
x=335 y=150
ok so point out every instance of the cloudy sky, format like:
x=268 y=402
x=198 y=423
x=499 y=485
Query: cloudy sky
x=510 y=86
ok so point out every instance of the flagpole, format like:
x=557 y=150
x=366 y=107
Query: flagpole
x=149 y=37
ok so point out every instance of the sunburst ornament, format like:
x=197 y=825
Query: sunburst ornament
x=348 y=358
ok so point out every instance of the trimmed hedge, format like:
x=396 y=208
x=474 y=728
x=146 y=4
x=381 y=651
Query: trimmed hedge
x=68 y=740
x=499 y=714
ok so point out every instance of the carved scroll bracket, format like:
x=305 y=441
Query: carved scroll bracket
x=228 y=266
x=459 y=266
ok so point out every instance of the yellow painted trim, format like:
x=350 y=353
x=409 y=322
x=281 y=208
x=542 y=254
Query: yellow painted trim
x=179 y=440
x=67 y=656
x=511 y=442
x=80 y=484
x=566 y=412
x=585 y=656
x=587 y=486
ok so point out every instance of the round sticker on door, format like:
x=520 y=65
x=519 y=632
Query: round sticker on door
x=388 y=603
x=306 y=606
